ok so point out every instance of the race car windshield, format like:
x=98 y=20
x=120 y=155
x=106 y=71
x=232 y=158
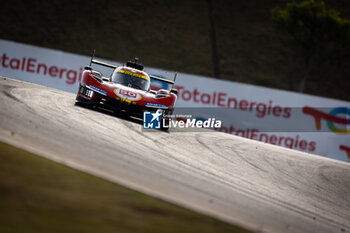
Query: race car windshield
x=131 y=80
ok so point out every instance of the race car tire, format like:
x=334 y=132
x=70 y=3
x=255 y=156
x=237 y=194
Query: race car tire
x=83 y=102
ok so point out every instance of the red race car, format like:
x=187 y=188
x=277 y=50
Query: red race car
x=127 y=90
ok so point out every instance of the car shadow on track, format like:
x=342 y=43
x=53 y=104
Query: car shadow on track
x=121 y=115
x=118 y=114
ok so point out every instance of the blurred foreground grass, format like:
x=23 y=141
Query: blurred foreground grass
x=39 y=195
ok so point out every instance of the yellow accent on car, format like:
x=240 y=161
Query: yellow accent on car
x=133 y=74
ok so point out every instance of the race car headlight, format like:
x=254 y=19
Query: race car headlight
x=89 y=93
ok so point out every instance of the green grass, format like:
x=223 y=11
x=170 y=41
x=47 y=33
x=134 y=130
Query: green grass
x=38 y=195
x=175 y=35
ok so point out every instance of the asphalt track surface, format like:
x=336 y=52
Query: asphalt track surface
x=259 y=186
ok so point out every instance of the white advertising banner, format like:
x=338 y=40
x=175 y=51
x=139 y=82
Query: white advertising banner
x=298 y=121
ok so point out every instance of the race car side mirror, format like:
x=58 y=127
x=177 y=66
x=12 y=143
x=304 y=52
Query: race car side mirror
x=174 y=91
x=97 y=75
x=87 y=68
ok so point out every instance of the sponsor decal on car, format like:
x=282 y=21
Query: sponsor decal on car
x=155 y=105
x=127 y=95
x=97 y=89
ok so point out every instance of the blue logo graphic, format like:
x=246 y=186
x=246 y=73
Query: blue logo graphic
x=151 y=120
x=156 y=105
x=97 y=90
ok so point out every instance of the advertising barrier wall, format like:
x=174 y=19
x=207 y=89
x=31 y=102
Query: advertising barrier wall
x=298 y=121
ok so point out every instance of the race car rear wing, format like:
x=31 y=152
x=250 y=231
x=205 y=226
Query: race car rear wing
x=103 y=64
x=93 y=61
x=131 y=64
